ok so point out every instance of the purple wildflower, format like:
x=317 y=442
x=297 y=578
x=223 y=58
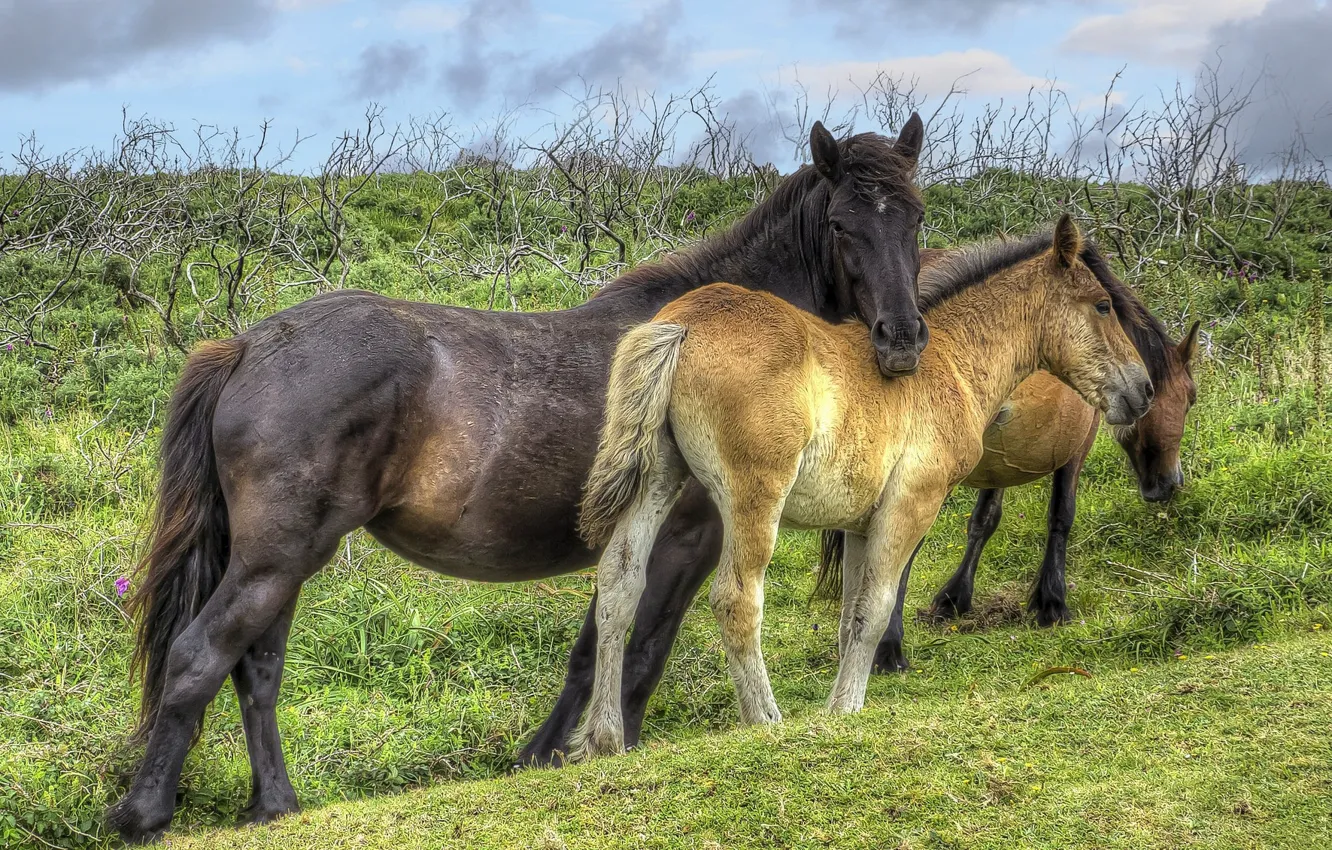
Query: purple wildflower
x=689 y=216
x=122 y=586
x=49 y=413
x=564 y=228
x=9 y=346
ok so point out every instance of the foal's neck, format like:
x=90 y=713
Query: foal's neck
x=994 y=329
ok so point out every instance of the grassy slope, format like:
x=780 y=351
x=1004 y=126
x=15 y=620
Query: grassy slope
x=1224 y=751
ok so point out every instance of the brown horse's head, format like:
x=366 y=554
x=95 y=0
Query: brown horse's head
x=873 y=217
x=1083 y=343
x=1152 y=443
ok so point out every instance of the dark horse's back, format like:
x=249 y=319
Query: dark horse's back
x=435 y=427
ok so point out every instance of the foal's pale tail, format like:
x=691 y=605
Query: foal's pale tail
x=636 y=406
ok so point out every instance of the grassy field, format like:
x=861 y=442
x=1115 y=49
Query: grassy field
x=1204 y=623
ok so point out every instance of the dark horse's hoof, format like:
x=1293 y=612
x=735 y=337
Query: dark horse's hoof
x=135 y=826
x=1051 y=613
x=949 y=606
x=257 y=812
x=890 y=659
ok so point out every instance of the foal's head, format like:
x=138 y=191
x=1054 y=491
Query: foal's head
x=1082 y=341
x=874 y=215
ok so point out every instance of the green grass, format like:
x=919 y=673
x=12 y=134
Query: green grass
x=1217 y=751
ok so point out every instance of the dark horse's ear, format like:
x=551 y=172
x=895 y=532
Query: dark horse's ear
x=911 y=139
x=1067 y=241
x=823 y=147
x=1188 y=346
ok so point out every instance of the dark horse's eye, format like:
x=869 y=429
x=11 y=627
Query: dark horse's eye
x=1103 y=307
x=837 y=228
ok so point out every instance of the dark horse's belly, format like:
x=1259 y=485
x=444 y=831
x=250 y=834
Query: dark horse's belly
x=459 y=438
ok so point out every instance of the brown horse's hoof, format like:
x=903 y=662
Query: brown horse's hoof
x=889 y=658
x=260 y=812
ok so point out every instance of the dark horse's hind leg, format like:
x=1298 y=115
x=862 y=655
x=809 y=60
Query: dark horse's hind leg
x=954 y=598
x=1049 y=596
x=261 y=581
x=889 y=656
x=257 y=677
x=685 y=554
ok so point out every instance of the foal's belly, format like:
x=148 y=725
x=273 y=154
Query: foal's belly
x=1042 y=426
x=831 y=491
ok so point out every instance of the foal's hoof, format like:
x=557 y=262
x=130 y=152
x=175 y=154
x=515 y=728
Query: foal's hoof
x=585 y=744
x=260 y=811
x=1051 y=613
x=540 y=758
x=135 y=826
x=889 y=658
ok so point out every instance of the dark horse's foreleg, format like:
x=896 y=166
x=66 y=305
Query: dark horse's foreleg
x=685 y=554
x=260 y=584
x=954 y=598
x=889 y=656
x=257 y=677
x=1049 y=596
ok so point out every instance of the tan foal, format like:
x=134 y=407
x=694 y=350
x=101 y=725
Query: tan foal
x=785 y=420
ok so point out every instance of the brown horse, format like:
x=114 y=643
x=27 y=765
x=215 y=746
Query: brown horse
x=458 y=438
x=784 y=420
x=1046 y=429
x=1152 y=444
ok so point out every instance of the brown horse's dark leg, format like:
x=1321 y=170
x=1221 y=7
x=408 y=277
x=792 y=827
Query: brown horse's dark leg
x=954 y=598
x=889 y=656
x=257 y=678
x=261 y=581
x=685 y=554
x=1049 y=596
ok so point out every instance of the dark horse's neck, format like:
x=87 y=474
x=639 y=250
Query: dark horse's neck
x=779 y=247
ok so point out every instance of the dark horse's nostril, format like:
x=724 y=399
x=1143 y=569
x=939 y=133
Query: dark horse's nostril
x=922 y=334
x=879 y=335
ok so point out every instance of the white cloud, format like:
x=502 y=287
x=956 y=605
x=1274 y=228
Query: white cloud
x=1165 y=32
x=428 y=17
x=975 y=71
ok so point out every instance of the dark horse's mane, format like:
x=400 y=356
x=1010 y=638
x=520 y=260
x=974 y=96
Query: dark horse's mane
x=878 y=173
x=958 y=271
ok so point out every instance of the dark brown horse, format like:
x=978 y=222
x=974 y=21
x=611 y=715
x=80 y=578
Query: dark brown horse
x=459 y=438
x=1152 y=444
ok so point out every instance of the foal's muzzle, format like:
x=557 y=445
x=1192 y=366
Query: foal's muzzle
x=1129 y=401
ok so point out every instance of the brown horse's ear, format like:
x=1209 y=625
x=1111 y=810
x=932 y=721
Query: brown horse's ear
x=823 y=147
x=911 y=139
x=1067 y=241
x=1188 y=346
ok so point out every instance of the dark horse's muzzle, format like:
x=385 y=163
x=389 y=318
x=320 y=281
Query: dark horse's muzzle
x=898 y=348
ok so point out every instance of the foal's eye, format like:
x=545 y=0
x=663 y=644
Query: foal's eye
x=1103 y=307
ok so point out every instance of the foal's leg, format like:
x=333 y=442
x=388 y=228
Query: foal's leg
x=256 y=678
x=898 y=527
x=737 y=602
x=1050 y=593
x=261 y=581
x=954 y=598
x=621 y=577
x=684 y=555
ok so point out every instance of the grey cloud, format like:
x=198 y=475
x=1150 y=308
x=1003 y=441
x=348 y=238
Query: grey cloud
x=44 y=43
x=383 y=69
x=640 y=52
x=757 y=121
x=1284 y=52
x=872 y=20
x=471 y=71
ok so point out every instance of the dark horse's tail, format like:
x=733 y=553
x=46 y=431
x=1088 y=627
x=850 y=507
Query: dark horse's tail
x=191 y=539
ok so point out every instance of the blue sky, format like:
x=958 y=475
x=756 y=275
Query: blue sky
x=313 y=65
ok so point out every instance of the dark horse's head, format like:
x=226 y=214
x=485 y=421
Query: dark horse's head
x=873 y=217
x=1153 y=442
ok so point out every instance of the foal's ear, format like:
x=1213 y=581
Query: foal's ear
x=911 y=139
x=823 y=147
x=1067 y=241
x=1188 y=346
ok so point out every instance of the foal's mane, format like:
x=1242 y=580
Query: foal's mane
x=877 y=173
x=958 y=271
